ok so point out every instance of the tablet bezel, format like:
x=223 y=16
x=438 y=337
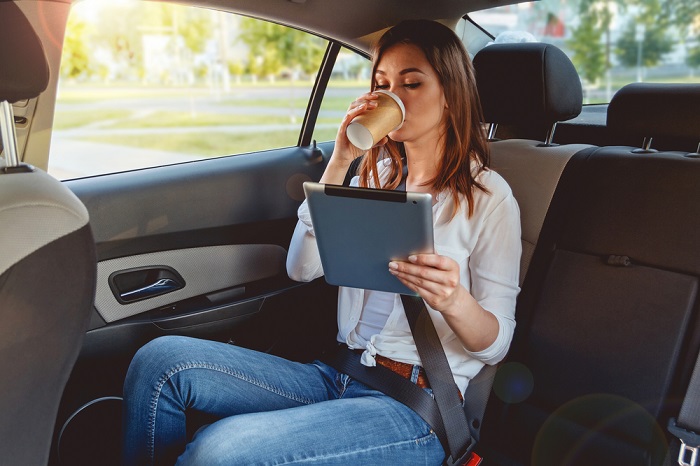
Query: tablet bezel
x=351 y=252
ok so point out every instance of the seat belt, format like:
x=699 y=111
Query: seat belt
x=439 y=375
x=444 y=412
x=687 y=427
x=450 y=424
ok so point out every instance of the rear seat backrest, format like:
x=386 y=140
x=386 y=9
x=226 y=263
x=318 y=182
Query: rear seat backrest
x=610 y=329
x=521 y=84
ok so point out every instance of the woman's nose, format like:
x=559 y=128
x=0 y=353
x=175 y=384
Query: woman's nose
x=396 y=89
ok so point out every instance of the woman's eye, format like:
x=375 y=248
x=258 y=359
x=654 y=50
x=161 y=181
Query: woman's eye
x=411 y=85
x=381 y=86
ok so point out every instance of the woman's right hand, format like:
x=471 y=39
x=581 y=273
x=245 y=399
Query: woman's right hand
x=343 y=147
x=344 y=152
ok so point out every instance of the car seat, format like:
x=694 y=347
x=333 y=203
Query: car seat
x=47 y=267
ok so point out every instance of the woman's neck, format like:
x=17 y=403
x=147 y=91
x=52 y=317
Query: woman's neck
x=423 y=164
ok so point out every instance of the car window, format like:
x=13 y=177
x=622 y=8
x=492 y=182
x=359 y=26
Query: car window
x=350 y=78
x=144 y=84
x=611 y=43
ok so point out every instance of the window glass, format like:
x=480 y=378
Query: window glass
x=350 y=78
x=146 y=84
x=611 y=42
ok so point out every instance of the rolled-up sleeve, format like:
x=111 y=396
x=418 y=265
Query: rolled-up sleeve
x=494 y=267
x=303 y=259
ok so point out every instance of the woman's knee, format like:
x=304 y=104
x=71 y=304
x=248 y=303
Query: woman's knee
x=155 y=357
x=215 y=445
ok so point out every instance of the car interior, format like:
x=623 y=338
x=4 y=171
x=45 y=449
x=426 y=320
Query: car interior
x=608 y=326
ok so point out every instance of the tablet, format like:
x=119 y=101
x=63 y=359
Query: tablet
x=359 y=230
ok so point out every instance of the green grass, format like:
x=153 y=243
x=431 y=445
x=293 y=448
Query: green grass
x=188 y=120
x=69 y=119
x=75 y=95
x=205 y=145
x=123 y=119
x=272 y=102
x=325 y=134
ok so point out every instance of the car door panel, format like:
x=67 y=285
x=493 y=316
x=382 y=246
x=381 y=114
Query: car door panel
x=222 y=227
x=221 y=224
x=202 y=270
x=156 y=209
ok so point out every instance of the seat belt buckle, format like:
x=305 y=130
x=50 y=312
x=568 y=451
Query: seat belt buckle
x=690 y=444
x=687 y=455
x=468 y=459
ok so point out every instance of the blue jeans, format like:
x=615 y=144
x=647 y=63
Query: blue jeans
x=267 y=410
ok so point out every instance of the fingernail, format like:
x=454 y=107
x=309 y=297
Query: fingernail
x=393 y=265
x=412 y=258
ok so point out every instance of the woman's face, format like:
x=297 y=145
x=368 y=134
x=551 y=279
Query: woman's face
x=404 y=70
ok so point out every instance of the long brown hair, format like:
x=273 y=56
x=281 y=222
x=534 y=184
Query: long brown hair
x=465 y=137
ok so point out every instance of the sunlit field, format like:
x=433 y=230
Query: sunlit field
x=247 y=118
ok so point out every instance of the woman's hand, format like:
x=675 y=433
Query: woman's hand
x=434 y=277
x=344 y=152
x=343 y=146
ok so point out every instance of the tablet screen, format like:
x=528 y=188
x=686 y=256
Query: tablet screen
x=359 y=231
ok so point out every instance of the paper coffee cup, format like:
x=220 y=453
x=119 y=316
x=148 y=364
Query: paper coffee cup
x=369 y=128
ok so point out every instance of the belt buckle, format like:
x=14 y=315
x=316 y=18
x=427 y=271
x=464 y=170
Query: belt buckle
x=683 y=453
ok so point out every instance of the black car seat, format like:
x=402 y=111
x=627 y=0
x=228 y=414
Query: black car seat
x=47 y=265
x=532 y=85
x=608 y=327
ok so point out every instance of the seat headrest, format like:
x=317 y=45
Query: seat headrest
x=24 y=72
x=654 y=110
x=527 y=83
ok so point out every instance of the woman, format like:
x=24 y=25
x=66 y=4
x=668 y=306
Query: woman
x=273 y=411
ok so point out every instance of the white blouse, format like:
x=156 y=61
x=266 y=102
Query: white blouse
x=487 y=248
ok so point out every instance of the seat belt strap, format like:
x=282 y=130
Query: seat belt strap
x=451 y=425
x=437 y=369
x=687 y=426
x=402 y=390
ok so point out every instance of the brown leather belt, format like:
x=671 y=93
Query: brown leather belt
x=403 y=369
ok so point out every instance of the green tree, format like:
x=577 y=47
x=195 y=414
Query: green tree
x=655 y=42
x=280 y=47
x=75 y=60
x=589 y=41
x=309 y=51
x=195 y=28
x=118 y=26
x=686 y=16
x=693 y=58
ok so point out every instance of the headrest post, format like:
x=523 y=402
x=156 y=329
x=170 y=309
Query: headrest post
x=492 y=131
x=550 y=135
x=8 y=135
x=694 y=155
x=646 y=147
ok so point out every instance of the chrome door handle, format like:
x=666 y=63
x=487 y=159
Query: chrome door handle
x=162 y=286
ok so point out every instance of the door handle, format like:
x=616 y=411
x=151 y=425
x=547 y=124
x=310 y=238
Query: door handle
x=129 y=286
x=162 y=286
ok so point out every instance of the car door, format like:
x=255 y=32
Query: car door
x=192 y=245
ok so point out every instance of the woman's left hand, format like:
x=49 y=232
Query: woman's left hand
x=434 y=277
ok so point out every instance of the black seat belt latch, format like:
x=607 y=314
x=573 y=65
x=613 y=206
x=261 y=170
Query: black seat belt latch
x=690 y=444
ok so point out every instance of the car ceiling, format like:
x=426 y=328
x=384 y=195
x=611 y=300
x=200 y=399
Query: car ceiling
x=363 y=20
